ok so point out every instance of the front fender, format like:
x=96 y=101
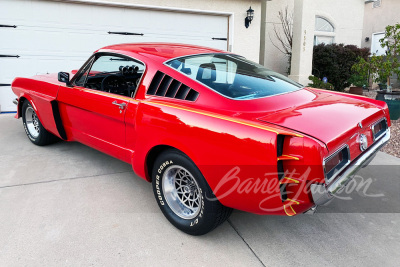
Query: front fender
x=39 y=94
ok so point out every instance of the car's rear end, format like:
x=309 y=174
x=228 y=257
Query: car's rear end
x=352 y=131
x=357 y=152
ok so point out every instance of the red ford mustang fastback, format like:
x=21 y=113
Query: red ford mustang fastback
x=211 y=130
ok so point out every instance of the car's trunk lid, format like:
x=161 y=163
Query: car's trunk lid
x=330 y=118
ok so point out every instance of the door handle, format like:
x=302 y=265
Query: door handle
x=121 y=105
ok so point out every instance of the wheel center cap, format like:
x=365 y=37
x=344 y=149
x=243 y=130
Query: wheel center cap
x=186 y=189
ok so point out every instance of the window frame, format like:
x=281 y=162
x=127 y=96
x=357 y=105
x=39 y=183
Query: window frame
x=327 y=20
x=92 y=59
x=324 y=33
x=375 y=38
x=322 y=36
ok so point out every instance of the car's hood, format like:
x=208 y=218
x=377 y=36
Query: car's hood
x=328 y=117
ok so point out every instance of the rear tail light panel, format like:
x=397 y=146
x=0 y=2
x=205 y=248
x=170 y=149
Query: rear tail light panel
x=379 y=128
x=336 y=162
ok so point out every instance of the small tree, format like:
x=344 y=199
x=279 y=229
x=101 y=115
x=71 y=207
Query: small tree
x=384 y=66
x=391 y=42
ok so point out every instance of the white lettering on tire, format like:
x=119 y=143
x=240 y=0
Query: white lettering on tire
x=196 y=221
x=162 y=166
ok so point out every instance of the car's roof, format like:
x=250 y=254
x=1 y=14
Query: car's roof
x=162 y=51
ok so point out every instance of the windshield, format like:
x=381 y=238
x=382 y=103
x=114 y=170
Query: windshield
x=234 y=76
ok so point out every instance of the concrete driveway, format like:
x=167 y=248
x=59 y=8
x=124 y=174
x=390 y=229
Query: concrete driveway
x=67 y=204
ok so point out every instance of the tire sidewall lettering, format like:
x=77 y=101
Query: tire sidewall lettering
x=158 y=188
x=159 y=196
x=162 y=166
x=200 y=215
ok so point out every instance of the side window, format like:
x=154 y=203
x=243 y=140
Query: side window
x=111 y=73
x=191 y=67
x=110 y=64
x=226 y=71
x=234 y=76
x=208 y=69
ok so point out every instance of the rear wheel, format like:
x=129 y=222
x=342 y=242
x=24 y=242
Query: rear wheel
x=34 y=128
x=184 y=196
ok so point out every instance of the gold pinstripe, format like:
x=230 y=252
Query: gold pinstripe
x=294 y=201
x=222 y=118
x=290 y=157
x=295 y=181
x=284 y=207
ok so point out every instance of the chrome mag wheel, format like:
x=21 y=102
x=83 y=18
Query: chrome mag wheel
x=181 y=192
x=32 y=122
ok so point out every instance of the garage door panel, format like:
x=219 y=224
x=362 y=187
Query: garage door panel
x=54 y=36
x=182 y=24
x=12 y=11
x=27 y=66
x=41 y=42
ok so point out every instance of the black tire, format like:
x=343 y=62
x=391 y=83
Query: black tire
x=210 y=212
x=39 y=135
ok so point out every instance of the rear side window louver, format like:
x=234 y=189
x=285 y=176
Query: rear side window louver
x=164 y=85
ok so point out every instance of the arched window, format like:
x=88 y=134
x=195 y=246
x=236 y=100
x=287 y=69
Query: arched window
x=324 y=31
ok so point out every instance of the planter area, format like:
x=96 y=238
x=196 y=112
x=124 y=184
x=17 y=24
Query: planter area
x=393 y=147
x=356 y=90
x=392 y=99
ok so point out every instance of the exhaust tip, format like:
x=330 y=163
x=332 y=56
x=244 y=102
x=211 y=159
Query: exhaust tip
x=311 y=211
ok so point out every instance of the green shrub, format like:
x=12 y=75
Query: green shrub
x=335 y=61
x=358 y=80
x=317 y=83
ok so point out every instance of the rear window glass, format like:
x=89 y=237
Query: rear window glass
x=234 y=76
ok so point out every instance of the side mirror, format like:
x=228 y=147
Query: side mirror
x=63 y=77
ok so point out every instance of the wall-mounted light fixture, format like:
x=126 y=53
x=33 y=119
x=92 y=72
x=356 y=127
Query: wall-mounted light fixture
x=249 y=18
x=367 y=39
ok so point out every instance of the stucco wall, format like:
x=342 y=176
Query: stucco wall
x=273 y=58
x=376 y=19
x=346 y=16
x=246 y=42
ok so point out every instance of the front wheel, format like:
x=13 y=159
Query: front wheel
x=34 y=128
x=184 y=196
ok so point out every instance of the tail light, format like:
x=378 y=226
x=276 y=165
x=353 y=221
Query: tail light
x=336 y=162
x=379 y=128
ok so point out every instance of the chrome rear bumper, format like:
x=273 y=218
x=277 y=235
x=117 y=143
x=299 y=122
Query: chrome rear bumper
x=323 y=194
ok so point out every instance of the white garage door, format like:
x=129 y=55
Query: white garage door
x=39 y=37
